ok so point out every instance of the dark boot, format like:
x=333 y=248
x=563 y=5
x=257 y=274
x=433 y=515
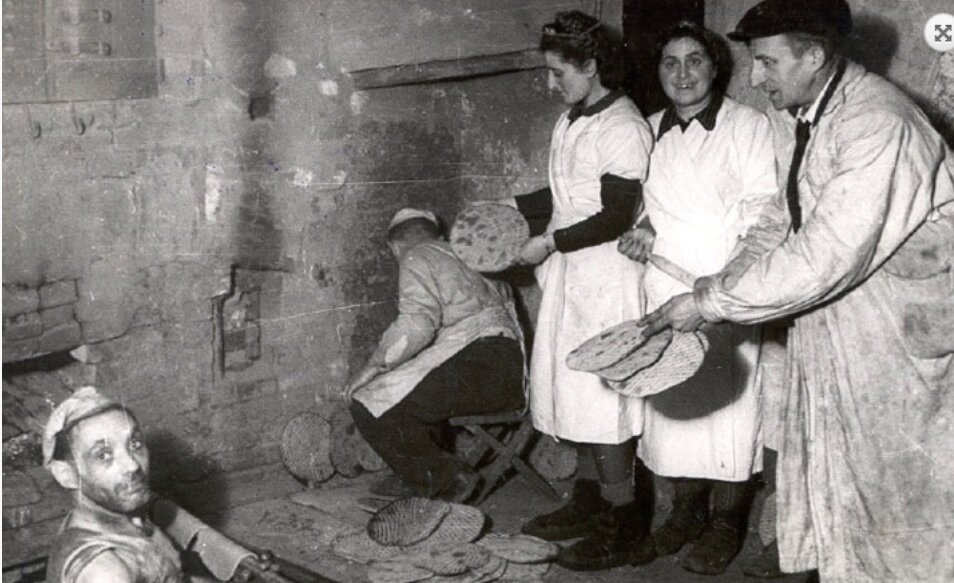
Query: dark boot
x=616 y=541
x=764 y=565
x=578 y=517
x=723 y=537
x=690 y=512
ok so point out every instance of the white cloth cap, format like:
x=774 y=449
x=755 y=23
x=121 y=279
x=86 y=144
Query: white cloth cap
x=407 y=214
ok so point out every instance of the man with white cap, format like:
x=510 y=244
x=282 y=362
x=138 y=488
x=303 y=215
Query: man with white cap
x=454 y=349
x=118 y=531
x=859 y=252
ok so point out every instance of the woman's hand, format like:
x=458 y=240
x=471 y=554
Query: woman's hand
x=536 y=249
x=637 y=243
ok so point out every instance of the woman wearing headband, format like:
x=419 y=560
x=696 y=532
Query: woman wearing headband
x=599 y=154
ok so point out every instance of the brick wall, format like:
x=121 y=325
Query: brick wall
x=257 y=171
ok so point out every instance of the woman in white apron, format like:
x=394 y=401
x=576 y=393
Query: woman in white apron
x=598 y=159
x=712 y=171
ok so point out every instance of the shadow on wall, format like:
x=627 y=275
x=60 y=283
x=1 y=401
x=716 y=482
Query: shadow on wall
x=873 y=43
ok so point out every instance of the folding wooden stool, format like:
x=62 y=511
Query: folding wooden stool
x=514 y=431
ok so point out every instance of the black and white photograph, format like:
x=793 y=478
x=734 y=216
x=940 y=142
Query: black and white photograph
x=463 y=291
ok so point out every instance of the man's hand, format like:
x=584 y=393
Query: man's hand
x=637 y=243
x=679 y=313
x=535 y=250
x=364 y=376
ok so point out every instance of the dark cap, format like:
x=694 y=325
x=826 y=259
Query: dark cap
x=772 y=17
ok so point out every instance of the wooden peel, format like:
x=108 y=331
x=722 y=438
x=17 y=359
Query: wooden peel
x=672 y=270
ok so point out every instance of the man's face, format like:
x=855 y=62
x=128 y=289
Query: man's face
x=783 y=76
x=112 y=461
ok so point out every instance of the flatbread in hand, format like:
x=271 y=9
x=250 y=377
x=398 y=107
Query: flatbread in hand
x=679 y=362
x=488 y=237
x=613 y=344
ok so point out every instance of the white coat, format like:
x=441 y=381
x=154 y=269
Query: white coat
x=866 y=483
x=589 y=290
x=705 y=188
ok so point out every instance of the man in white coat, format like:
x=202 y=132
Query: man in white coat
x=859 y=258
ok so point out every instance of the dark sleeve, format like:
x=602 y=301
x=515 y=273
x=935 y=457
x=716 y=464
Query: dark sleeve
x=619 y=197
x=537 y=208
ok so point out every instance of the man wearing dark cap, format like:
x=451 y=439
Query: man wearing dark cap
x=859 y=253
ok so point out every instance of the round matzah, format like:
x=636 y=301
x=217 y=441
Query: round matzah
x=525 y=572
x=463 y=524
x=554 y=460
x=358 y=547
x=306 y=447
x=492 y=570
x=451 y=559
x=407 y=521
x=395 y=571
x=519 y=548
x=607 y=347
x=642 y=357
x=679 y=362
x=489 y=237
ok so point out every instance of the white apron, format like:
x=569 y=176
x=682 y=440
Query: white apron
x=588 y=290
x=709 y=426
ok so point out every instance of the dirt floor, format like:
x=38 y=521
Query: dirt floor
x=300 y=527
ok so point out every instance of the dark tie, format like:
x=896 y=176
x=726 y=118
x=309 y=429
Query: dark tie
x=802 y=131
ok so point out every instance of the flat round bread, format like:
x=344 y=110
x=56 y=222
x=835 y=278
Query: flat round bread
x=645 y=355
x=449 y=559
x=306 y=447
x=396 y=571
x=463 y=524
x=554 y=460
x=357 y=546
x=679 y=362
x=489 y=237
x=611 y=345
x=525 y=572
x=407 y=521
x=519 y=548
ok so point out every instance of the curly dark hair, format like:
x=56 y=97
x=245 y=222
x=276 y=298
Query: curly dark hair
x=578 y=37
x=715 y=46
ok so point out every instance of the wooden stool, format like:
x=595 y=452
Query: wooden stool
x=508 y=445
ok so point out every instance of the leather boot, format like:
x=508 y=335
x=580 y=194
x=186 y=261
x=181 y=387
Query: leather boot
x=764 y=565
x=690 y=512
x=723 y=537
x=615 y=541
x=578 y=517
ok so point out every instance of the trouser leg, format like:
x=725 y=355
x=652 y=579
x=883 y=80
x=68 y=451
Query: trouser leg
x=484 y=377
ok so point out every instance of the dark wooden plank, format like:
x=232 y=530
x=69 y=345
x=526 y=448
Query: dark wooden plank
x=433 y=71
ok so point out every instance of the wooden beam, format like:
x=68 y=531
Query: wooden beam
x=434 y=71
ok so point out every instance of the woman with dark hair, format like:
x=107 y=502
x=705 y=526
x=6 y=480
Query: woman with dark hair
x=599 y=156
x=712 y=172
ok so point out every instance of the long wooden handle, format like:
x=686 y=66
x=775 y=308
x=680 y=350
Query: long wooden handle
x=672 y=270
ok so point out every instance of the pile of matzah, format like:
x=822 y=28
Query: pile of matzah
x=637 y=366
x=416 y=539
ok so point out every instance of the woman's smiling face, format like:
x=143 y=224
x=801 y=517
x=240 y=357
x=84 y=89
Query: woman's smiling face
x=687 y=72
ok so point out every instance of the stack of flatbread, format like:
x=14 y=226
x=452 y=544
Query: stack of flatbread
x=637 y=366
x=416 y=539
x=488 y=237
